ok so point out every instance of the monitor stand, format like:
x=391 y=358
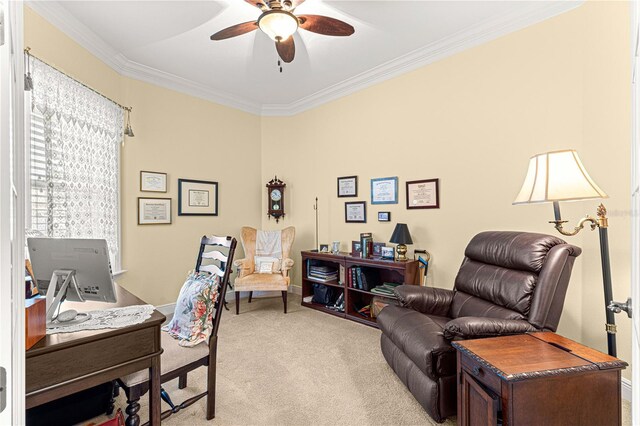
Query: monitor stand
x=70 y=280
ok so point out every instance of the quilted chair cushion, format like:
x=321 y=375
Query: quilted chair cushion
x=420 y=338
x=261 y=282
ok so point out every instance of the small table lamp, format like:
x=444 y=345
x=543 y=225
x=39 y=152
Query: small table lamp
x=401 y=237
x=560 y=176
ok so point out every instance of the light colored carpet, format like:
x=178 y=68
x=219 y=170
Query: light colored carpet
x=302 y=368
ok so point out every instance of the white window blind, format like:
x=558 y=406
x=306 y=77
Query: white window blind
x=74 y=158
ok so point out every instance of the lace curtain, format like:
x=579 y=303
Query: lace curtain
x=75 y=159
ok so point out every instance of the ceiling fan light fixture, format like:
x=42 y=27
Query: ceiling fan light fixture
x=278 y=24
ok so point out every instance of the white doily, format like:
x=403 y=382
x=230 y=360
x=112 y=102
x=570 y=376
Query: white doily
x=109 y=318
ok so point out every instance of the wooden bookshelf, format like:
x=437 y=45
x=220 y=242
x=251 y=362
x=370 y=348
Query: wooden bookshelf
x=376 y=271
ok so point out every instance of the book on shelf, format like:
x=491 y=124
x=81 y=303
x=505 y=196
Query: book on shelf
x=385 y=289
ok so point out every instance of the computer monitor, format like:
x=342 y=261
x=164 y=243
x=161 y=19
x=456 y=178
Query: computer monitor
x=80 y=268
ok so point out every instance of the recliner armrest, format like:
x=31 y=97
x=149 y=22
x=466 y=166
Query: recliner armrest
x=428 y=300
x=470 y=327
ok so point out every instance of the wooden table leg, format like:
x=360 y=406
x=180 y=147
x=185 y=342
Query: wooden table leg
x=154 y=391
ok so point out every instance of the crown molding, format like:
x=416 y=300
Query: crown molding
x=59 y=17
x=470 y=37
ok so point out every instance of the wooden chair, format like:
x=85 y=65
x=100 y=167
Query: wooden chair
x=178 y=361
x=250 y=280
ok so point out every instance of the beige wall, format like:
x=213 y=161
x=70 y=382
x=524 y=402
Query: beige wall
x=181 y=135
x=473 y=120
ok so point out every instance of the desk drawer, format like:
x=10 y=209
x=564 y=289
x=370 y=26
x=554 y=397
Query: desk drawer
x=481 y=373
x=76 y=361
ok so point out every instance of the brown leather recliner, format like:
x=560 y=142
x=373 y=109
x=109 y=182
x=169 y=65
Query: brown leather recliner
x=509 y=283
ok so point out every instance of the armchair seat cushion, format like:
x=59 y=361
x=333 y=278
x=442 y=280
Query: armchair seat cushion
x=420 y=338
x=261 y=282
x=173 y=357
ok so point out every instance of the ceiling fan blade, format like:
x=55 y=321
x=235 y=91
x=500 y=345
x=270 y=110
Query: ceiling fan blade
x=325 y=25
x=286 y=49
x=258 y=3
x=235 y=30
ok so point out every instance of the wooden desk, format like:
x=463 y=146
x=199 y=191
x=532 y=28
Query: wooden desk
x=65 y=363
x=536 y=378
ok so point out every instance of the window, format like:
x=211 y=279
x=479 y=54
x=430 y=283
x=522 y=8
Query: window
x=74 y=160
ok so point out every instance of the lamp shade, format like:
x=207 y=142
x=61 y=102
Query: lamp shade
x=557 y=176
x=401 y=235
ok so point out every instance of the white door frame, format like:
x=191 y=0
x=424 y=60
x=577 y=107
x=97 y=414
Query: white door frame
x=12 y=149
x=635 y=211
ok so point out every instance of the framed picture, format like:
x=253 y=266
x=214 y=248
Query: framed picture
x=387 y=252
x=197 y=198
x=384 y=190
x=153 y=181
x=348 y=186
x=356 y=248
x=384 y=216
x=377 y=249
x=154 y=211
x=324 y=248
x=355 y=212
x=423 y=194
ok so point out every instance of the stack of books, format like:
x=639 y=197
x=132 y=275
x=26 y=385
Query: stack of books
x=358 y=278
x=385 y=289
x=323 y=273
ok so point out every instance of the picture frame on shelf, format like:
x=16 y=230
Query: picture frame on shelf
x=324 y=248
x=387 y=253
x=384 y=190
x=153 y=181
x=377 y=249
x=423 y=194
x=154 y=211
x=356 y=248
x=355 y=212
x=197 y=198
x=348 y=186
x=384 y=216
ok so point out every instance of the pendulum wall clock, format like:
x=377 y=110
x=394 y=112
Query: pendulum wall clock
x=275 y=198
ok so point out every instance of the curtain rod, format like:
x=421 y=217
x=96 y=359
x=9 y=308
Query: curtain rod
x=27 y=51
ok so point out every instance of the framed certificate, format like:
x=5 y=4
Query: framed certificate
x=197 y=198
x=355 y=212
x=423 y=194
x=154 y=211
x=348 y=186
x=384 y=190
x=153 y=181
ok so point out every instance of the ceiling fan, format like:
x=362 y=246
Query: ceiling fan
x=279 y=23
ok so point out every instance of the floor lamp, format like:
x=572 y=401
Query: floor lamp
x=560 y=176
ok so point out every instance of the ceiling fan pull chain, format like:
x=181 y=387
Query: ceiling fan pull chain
x=279 y=65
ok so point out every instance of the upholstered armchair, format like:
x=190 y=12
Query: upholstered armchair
x=261 y=249
x=508 y=283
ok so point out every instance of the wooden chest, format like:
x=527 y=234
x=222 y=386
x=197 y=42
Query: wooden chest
x=536 y=378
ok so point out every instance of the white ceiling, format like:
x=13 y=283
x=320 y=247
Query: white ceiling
x=167 y=43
